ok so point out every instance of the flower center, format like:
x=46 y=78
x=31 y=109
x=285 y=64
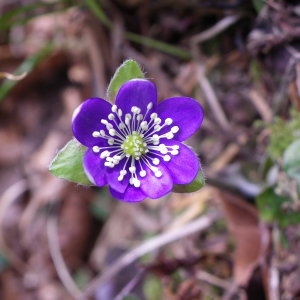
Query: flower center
x=134 y=145
x=136 y=139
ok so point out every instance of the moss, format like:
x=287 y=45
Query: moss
x=283 y=133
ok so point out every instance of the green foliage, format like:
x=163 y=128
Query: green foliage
x=130 y=69
x=131 y=297
x=97 y=10
x=258 y=5
x=271 y=209
x=67 y=164
x=291 y=160
x=152 y=288
x=3 y=262
x=283 y=133
x=194 y=186
x=27 y=66
x=256 y=71
x=21 y=15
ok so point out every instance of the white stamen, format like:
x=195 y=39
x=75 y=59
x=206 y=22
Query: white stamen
x=132 y=169
x=168 y=121
x=155 y=161
x=174 y=129
x=153 y=116
x=96 y=134
x=111 y=116
x=112 y=132
x=109 y=126
x=174 y=152
x=143 y=173
x=169 y=135
x=157 y=173
x=136 y=182
x=114 y=108
x=104 y=154
x=149 y=106
x=167 y=158
x=96 y=149
x=157 y=120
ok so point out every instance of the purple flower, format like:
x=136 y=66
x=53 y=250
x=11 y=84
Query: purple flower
x=135 y=146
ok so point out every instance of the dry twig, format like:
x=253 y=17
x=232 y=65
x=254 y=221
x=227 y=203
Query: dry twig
x=59 y=263
x=261 y=105
x=8 y=197
x=150 y=245
x=216 y=29
x=212 y=98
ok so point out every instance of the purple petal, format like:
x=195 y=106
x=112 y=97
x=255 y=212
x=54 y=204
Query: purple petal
x=87 y=119
x=112 y=177
x=136 y=92
x=94 y=168
x=155 y=187
x=185 y=112
x=184 y=166
x=131 y=194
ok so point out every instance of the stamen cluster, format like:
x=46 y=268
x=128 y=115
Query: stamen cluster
x=135 y=139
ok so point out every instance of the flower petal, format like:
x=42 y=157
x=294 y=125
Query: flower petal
x=87 y=119
x=155 y=187
x=185 y=112
x=184 y=166
x=136 y=92
x=131 y=194
x=94 y=168
x=112 y=177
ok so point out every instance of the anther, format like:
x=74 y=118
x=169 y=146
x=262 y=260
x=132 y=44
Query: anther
x=96 y=134
x=96 y=149
x=167 y=158
x=174 y=129
x=112 y=132
x=174 y=152
x=104 y=154
x=143 y=173
x=114 y=108
x=158 y=173
x=169 y=135
x=168 y=121
x=150 y=105
x=155 y=161
x=132 y=169
x=153 y=116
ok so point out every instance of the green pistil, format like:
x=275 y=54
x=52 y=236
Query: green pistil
x=134 y=145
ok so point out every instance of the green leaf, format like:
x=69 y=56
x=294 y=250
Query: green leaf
x=67 y=164
x=258 y=5
x=291 y=160
x=152 y=288
x=27 y=66
x=270 y=207
x=130 y=69
x=194 y=186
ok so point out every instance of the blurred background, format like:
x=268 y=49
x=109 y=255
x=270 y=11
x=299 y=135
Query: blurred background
x=237 y=237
